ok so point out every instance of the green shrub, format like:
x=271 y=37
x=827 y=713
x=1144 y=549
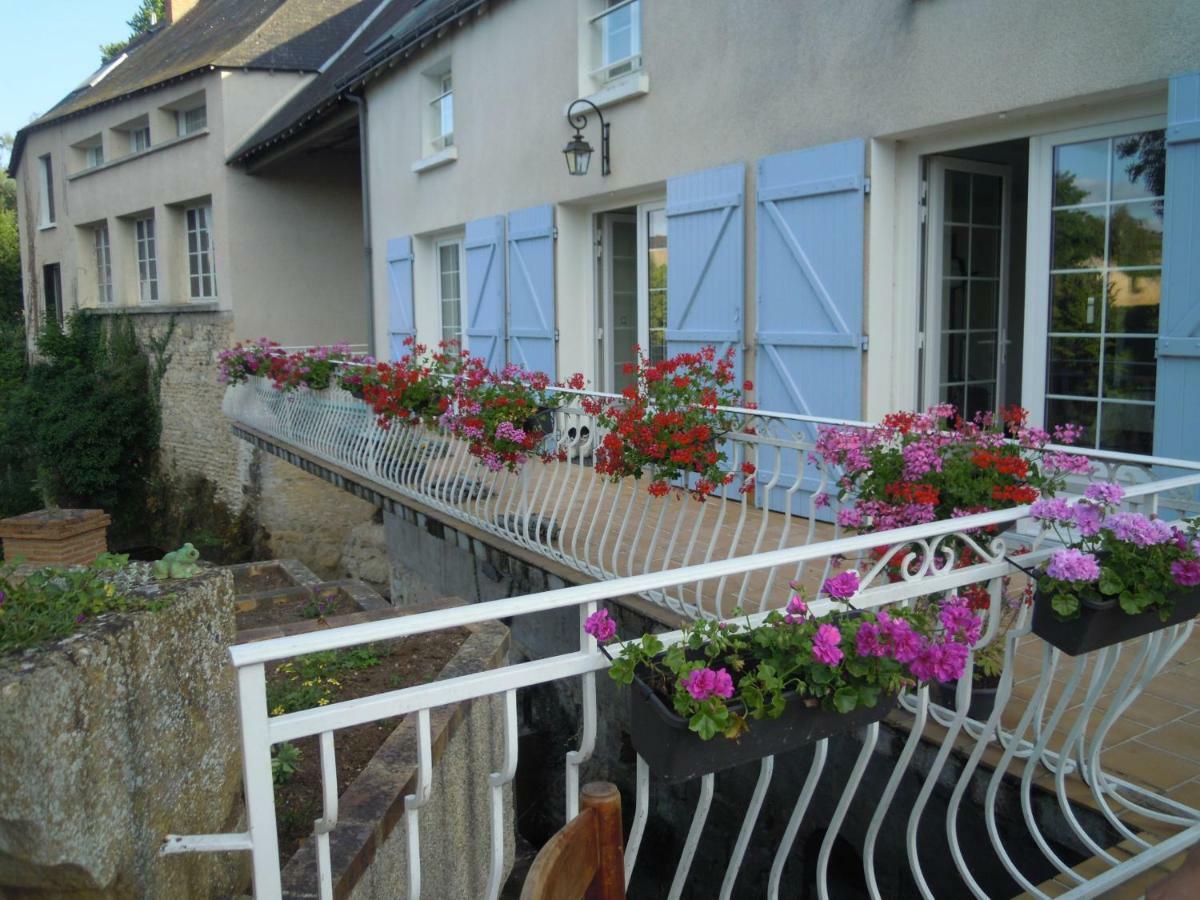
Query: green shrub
x=53 y=602
x=18 y=472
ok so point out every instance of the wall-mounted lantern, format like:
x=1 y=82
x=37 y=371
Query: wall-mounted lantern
x=578 y=151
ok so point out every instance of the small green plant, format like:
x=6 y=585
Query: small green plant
x=284 y=762
x=53 y=602
x=312 y=680
x=319 y=607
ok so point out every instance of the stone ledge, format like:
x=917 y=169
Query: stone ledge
x=158 y=310
x=372 y=806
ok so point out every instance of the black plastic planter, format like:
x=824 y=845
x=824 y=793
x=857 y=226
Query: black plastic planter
x=1097 y=628
x=676 y=754
x=983 y=696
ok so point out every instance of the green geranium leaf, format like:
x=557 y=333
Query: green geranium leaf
x=1066 y=606
x=1110 y=582
x=821 y=674
x=705 y=725
x=845 y=699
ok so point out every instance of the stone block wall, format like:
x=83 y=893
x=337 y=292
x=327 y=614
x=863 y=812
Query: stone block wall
x=114 y=737
x=304 y=517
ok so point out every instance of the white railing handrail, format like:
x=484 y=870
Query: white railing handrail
x=275 y=649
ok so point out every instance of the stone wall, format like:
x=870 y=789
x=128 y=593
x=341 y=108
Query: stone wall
x=304 y=517
x=114 y=737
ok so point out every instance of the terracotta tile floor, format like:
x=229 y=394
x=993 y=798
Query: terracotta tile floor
x=1156 y=744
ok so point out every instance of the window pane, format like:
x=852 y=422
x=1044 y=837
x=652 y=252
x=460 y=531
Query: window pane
x=985 y=252
x=1075 y=302
x=955 y=395
x=1130 y=368
x=954 y=357
x=954 y=311
x=958 y=196
x=1133 y=300
x=957 y=245
x=1073 y=366
x=980 y=398
x=981 y=356
x=986 y=199
x=1080 y=173
x=1135 y=234
x=195 y=279
x=1127 y=427
x=1078 y=239
x=1139 y=166
x=1075 y=412
x=985 y=305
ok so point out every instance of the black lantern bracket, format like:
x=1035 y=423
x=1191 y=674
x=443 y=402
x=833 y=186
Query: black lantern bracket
x=579 y=120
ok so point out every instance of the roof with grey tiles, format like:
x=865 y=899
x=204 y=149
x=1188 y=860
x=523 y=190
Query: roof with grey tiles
x=282 y=35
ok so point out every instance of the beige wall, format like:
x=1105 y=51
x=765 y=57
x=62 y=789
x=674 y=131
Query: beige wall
x=288 y=245
x=730 y=80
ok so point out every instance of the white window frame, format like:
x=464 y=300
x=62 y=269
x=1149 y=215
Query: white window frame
x=643 y=269
x=894 y=233
x=139 y=139
x=197 y=220
x=146 y=246
x=460 y=243
x=102 y=245
x=931 y=338
x=441 y=136
x=612 y=69
x=1037 y=249
x=93 y=156
x=184 y=126
x=46 y=184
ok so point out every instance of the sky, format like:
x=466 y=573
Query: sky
x=47 y=47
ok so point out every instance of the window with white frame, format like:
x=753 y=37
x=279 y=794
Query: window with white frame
x=46 y=185
x=147 y=260
x=617 y=39
x=189 y=121
x=1105 y=285
x=139 y=139
x=450 y=290
x=202 y=267
x=94 y=155
x=104 y=280
x=442 y=112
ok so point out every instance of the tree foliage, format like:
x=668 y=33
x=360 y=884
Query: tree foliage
x=10 y=244
x=84 y=415
x=148 y=12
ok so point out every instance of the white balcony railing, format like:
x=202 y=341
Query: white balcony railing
x=636 y=548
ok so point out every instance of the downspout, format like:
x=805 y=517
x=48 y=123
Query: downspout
x=364 y=160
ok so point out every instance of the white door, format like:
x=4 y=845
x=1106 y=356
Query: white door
x=966 y=283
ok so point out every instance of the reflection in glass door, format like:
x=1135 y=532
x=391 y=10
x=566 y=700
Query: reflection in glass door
x=621 y=296
x=1105 y=286
x=966 y=284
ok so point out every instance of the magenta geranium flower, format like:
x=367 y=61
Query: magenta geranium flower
x=705 y=683
x=825 y=645
x=1073 y=565
x=842 y=587
x=600 y=626
x=1186 y=572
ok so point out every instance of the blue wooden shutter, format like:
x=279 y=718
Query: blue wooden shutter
x=810 y=286
x=400 y=295
x=1176 y=425
x=706 y=274
x=484 y=248
x=531 y=324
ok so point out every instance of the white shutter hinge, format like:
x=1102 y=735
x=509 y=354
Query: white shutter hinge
x=920 y=340
x=556 y=335
x=923 y=204
x=554 y=233
x=865 y=341
x=866 y=185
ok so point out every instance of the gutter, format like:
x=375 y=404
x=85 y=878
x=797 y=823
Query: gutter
x=364 y=162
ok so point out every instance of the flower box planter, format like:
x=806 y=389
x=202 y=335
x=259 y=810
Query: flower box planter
x=983 y=696
x=676 y=754
x=1097 y=628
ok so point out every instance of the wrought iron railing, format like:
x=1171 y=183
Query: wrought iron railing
x=765 y=545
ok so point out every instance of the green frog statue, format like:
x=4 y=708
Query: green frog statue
x=181 y=563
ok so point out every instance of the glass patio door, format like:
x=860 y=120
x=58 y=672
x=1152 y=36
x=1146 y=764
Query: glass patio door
x=965 y=284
